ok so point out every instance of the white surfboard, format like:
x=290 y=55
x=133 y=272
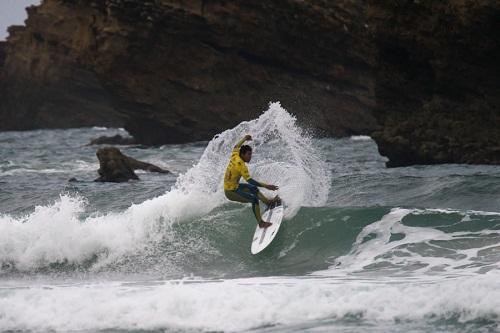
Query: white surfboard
x=264 y=236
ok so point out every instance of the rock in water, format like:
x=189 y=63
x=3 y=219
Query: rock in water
x=139 y=165
x=114 y=166
x=117 y=167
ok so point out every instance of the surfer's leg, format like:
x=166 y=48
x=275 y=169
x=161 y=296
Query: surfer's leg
x=258 y=216
x=266 y=200
x=243 y=194
x=233 y=196
x=246 y=191
x=263 y=198
x=251 y=193
x=249 y=188
x=256 y=211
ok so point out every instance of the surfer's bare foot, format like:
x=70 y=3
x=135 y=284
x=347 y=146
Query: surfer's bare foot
x=264 y=224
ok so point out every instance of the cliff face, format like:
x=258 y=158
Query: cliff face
x=420 y=77
x=174 y=71
x=437 y=81
x=2 y=53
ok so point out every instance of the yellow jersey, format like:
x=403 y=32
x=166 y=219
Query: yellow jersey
x=235 y=170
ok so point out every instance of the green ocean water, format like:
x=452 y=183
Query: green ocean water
x=363 y=248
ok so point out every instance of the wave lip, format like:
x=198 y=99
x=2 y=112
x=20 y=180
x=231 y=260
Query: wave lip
x=423 y=243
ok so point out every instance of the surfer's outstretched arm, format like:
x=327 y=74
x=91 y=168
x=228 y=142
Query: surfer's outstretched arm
x=261 y=184
x=242 y=141
x=246 y=175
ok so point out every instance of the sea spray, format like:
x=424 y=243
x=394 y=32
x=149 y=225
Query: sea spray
x=283 y=155
x=435 y=268
x=56 y=234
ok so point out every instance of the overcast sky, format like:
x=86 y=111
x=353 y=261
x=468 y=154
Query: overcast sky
x=13 y=12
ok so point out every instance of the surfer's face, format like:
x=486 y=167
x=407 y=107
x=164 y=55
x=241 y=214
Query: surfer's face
x=247 y=156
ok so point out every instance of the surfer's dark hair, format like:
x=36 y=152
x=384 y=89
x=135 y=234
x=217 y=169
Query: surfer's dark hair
x=244 y=149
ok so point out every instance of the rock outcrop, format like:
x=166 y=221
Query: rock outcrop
x=2 y=53
x=437 y=81
x=139 y=165
x=177 y=71
x=421 y=77
x=116 y=167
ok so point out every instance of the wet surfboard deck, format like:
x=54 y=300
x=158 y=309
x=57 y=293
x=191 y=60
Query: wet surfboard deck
x=264 y=236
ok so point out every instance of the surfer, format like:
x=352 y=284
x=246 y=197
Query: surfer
x=236 y=191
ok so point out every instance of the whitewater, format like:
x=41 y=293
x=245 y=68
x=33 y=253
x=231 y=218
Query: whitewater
x=362 y=247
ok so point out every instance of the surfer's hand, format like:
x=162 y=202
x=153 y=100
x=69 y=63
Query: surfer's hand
x=248 y=137
x=272 y=187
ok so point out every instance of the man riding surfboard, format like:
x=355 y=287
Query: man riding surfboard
x=236 y=191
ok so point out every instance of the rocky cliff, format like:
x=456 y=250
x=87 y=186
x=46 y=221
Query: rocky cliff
x=175 y=71
x=420 y=77
x=437 y=81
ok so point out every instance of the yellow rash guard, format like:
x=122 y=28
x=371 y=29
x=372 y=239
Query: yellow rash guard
x=235 y=170
x=235 y=191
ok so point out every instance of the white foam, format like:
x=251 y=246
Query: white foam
x=236 y=305
x=360 y=138
x=65 y=167
x=453 y=211
x=417 y=252
x=56 y=233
